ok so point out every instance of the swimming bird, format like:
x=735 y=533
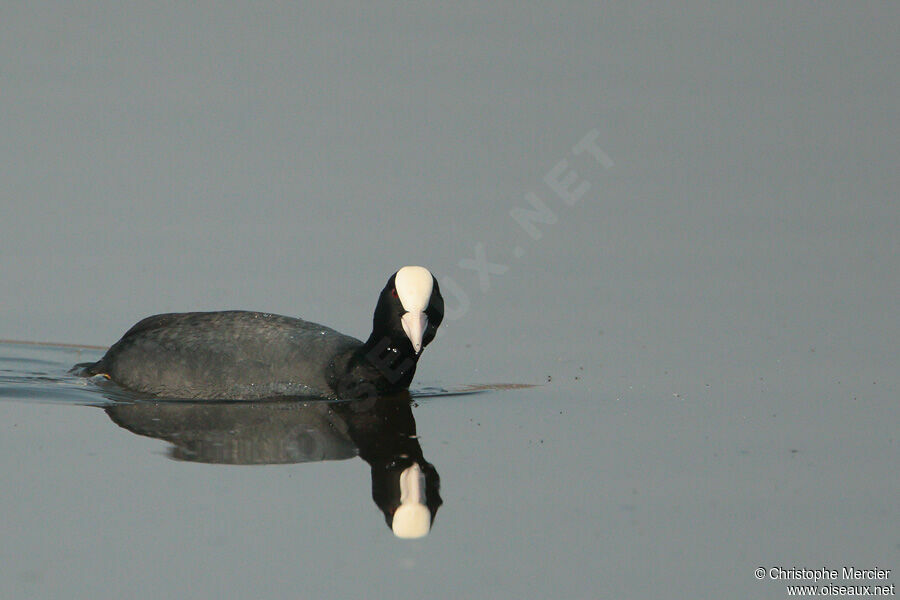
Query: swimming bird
x=242 y=355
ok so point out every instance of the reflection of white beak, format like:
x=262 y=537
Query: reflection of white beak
x=414 y=324
x=412 y=519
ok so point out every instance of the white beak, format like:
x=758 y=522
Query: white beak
x=414 y=324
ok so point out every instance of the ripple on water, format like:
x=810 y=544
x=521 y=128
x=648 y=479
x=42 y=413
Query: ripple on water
x=39 y=373
x=36 y=372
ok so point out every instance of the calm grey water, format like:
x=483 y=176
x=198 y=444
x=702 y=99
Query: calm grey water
x=678 y=221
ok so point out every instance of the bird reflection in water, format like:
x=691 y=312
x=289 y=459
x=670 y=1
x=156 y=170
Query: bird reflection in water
x=382 y=431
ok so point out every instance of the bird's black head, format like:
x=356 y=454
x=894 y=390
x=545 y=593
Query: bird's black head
x=409 y=311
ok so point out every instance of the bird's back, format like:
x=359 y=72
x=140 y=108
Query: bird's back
x=227 y=355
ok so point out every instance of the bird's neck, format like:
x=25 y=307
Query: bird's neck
x=384 y=364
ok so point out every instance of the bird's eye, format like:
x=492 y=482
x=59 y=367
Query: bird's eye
x=394 y=292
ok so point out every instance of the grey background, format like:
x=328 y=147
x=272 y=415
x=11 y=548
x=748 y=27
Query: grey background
x=725 y=293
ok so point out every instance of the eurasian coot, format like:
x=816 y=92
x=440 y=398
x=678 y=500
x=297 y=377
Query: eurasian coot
x=241 y=355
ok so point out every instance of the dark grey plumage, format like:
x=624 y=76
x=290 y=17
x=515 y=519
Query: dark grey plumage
x=241 y=355
x=228 y=355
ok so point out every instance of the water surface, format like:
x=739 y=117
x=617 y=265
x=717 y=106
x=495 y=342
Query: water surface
x=678 y=222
